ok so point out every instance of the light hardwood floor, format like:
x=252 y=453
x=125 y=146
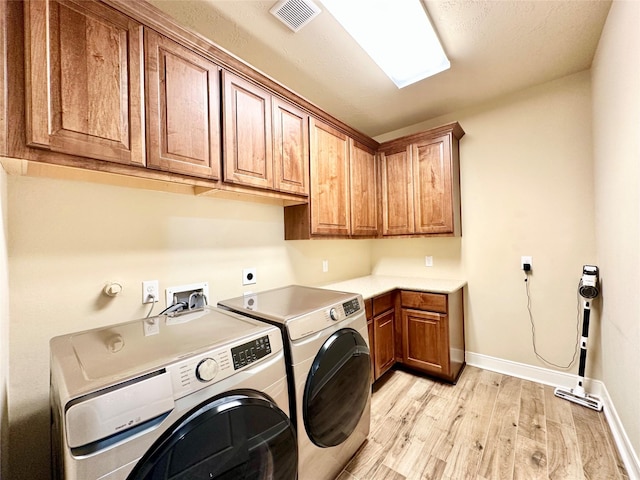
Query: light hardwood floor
x=488 y=426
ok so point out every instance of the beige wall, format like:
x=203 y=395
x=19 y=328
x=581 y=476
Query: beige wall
x=4 y=328
x=616 y=126
x=67 y=239
x=527 y=189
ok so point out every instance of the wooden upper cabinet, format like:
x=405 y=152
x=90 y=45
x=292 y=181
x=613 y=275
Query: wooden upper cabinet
x=329 y=167
x=84 y=80
x=183 y=109
x=397 y=192
x=421 y=183
x=290 y=148
x=363 y=191
x=433 y=197
x=248 y=154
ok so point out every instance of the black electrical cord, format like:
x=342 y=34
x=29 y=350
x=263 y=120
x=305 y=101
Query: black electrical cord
x=176 y=307
x=533 y=328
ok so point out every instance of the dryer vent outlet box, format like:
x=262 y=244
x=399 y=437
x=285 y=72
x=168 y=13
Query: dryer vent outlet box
x=295 y=14
x=185 y=293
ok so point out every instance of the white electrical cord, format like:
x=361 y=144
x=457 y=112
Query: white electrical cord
x=533 y=328
x=153 y=304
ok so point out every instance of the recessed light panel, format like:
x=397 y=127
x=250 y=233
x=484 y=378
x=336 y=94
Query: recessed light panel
x=397 y=35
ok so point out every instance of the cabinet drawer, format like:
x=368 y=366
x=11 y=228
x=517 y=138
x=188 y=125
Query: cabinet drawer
x=382 y=303
x=368 y=308
x=434 y=302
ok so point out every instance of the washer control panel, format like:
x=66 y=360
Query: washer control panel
x=250 y=352
x=202 y=370
x=351 y=307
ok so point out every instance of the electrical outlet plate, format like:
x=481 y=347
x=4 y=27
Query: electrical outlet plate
x=172 y=293
x=428 y=261
x=249 y=276
x=150 y=291
x=525 y=259
x=325 y=266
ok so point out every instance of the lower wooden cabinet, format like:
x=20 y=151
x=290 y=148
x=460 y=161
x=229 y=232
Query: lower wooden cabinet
x=420 y=330
x=424 y=344
x=381 y=319
x=433 y=333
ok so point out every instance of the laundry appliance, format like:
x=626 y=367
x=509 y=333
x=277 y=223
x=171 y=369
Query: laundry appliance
x=197 y=396
x=327 y=353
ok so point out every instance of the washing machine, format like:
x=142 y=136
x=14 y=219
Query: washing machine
x=202 y=395
x=327 y=353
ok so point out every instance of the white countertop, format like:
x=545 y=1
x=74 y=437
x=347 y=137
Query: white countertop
x=373 y=285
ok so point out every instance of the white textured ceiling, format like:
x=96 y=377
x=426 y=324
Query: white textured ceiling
x=495 y=47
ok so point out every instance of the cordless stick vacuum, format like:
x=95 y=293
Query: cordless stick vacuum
x=588 y=290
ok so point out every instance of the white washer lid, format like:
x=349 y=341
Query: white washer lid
x=133 y=347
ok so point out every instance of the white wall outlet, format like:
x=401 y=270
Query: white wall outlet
x=325 y=266
x=428 y=261
x=525 y=259
x=249 y=276
x=150 y=291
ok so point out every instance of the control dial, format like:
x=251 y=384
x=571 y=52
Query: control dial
x=333 y=313
x=206 y=369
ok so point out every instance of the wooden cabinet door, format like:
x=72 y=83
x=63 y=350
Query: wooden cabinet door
x=83 y=80
x=329 y=168
x=368 y=307
x=363 y=192
x=384 y=334
x=183 y=109
x=433 y=185
x=397 y=192
x=425 y=341
x=290 y=148
x=248 y=154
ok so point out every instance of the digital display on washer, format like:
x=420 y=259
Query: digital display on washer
x=250 y=352
x=352 y=306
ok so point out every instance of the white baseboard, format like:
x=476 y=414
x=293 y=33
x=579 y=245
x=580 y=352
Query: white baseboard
x=561 y=379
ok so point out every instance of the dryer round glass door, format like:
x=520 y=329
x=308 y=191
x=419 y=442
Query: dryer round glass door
x=240 y=435
x=337 y=388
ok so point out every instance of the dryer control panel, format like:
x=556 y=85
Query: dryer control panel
x=327 y=317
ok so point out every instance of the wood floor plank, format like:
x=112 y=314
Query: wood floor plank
x=472 y=435
x=597 y=459
x=385 y=473
x=531 y=459
x=429 y=467
x=563 y=452
x=531 y=423
x=404 y=450
x=499 y=453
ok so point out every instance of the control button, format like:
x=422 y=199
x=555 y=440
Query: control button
x=206 y=370
x=333 y=313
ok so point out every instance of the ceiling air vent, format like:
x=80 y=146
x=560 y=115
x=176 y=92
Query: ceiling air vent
x=295 y=14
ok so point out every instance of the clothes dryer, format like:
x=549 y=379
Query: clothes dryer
x=327 y=351
x=199 y=396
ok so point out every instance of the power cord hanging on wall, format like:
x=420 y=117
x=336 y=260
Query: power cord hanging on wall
x=153 y=304
x=533 y=326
